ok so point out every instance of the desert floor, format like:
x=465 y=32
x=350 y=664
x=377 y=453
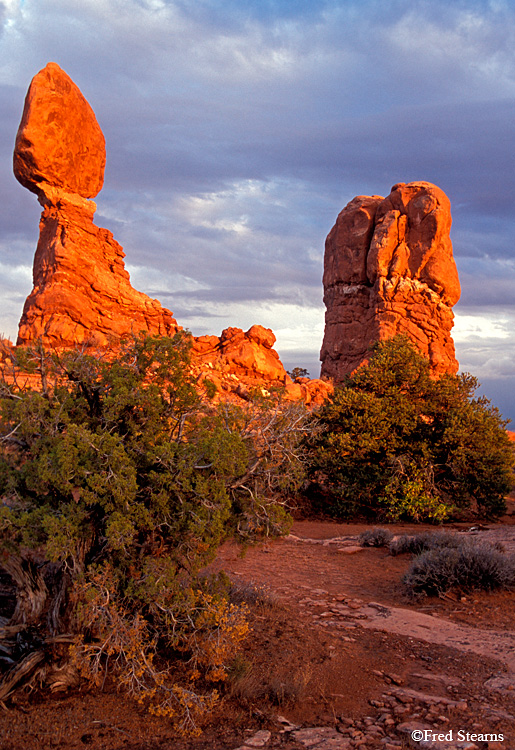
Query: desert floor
x=338 y=658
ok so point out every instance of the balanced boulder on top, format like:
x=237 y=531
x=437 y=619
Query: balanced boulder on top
x=82 y=292
x=59 y=142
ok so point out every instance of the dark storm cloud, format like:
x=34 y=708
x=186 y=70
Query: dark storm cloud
x=487 y=285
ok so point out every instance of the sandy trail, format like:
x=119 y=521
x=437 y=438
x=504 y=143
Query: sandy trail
x=313 y=570
x=496 y=644
x=489 y=643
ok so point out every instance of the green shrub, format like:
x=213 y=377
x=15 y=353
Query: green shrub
x=376 y=537
x=466 y=567
x=118 y=483
x=394 y=441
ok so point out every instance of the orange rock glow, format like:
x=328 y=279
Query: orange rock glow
x=82 y=292
x=389 y=269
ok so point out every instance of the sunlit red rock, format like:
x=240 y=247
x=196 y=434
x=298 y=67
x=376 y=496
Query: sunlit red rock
x=82 y=292
x=241 y=356
x=389 y=269
x=238 y=362
x=311 y=391
x=59 y=143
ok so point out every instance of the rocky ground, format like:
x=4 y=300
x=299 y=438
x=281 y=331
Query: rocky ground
x=338 y=658
x=455 y=662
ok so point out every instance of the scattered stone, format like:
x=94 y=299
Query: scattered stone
x=380 y=608
x=504 y=684
x=311 y=737
x=395 y=678
x=436 y=677
x=286 y=724
x=406 y=695
x=259 y=739
x=351 y=550
x=335 y=743
x=497 y=714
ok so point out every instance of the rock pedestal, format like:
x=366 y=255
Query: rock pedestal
x=82 y=293
x=389 y=270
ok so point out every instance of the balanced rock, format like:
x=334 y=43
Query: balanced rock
x=389 y=269
x=82 y=293
x=59 y=142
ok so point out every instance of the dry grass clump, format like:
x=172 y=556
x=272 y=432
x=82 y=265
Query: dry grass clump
x=289 y=689
x=280 y=689
x=375 y=537
x=466 y=566
x=271 y=670
x=252 y=595
x=417 y=543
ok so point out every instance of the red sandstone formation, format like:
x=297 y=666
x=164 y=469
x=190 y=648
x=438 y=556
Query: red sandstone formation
x=238 y=362
x=59 y=142
x=389 y=269
x=82 y=292
x=248 y=355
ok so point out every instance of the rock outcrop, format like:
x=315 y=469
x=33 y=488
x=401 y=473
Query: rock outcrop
x=242 y=355
x=389 y=269
x=238 y=362
x=82 y=292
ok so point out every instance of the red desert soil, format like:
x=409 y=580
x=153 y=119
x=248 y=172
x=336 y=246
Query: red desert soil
x=334 y=640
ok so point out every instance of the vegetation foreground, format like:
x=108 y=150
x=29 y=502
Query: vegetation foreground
x=120 y=480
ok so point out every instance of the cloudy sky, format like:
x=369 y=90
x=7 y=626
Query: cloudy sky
x=236 y=131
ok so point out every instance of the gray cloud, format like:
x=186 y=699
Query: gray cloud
x=237 y=131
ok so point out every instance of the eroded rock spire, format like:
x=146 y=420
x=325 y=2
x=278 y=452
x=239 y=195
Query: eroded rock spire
x=389 y=269
x=82 y=292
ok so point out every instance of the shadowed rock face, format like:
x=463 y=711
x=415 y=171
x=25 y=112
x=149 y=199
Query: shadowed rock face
x=82 y=292
x=389 y=269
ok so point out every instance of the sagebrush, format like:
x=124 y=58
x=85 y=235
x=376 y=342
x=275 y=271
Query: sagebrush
x=375 y=537
x=415 y=544
x=465 y=567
